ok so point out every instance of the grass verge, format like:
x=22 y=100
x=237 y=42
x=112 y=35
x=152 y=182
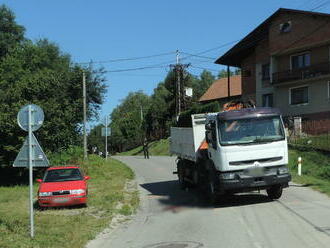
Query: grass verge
x=156 y=148
x=69 y=227
x=315 y=169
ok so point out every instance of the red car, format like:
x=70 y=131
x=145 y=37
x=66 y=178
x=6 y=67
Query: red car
x=63 y=186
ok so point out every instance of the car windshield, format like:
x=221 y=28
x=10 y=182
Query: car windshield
x=62 y=175
x=248 y=131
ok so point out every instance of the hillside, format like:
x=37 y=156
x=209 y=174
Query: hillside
x=156 y=148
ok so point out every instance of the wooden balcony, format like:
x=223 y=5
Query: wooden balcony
x=312 y=71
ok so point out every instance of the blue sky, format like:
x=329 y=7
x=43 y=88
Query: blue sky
x=102 y=30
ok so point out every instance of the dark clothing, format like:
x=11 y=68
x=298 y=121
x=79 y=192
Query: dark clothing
x=146 y=150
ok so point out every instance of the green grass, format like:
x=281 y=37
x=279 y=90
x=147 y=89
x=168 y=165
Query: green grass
x=69 y=227
x=156 y=148
x=315 y=169
x=321 y=142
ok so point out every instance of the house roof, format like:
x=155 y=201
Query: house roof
x=219 y=89
x=244 y=47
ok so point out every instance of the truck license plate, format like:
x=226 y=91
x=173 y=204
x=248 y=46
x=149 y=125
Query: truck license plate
x=256 y=171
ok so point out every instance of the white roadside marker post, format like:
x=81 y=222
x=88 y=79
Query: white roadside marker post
x=299 y=166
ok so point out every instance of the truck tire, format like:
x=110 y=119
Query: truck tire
x=275 y=192
x=181 y=174
x=212 y=187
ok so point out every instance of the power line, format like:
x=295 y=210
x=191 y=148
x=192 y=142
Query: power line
x=211 y=49
x=134 y=69
x=203 y=68
x=128 y=59
x=321 y=5
x=198 y=56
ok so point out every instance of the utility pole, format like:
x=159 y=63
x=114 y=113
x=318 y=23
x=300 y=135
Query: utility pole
x=106 y=137
x=179 y=94
x=178 y=70
x=85 y=114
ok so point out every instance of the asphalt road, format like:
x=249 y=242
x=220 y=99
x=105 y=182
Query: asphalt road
x=171 y=218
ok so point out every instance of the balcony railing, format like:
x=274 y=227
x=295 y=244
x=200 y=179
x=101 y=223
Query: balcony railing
x=302 y=73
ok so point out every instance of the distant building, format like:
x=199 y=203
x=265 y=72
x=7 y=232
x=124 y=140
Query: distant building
x=218 y=91
x=285 y=63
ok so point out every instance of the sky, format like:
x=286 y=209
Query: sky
x=103 y=30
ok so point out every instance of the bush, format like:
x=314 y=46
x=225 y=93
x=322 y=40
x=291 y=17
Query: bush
x=72 y=155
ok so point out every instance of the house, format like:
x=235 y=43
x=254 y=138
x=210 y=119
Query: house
x=285 y=63
x=218 y=91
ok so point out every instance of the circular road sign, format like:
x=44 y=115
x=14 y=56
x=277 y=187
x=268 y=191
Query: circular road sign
x=37 y=117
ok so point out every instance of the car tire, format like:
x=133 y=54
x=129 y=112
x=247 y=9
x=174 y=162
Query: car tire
x=275 y=192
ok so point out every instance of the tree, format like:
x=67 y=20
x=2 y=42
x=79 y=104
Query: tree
x=11 y=34
x=223 y=74
x=201 y=85
x=39 y=73
x=127 y=121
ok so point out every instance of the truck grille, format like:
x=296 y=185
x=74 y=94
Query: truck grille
x=261 y=161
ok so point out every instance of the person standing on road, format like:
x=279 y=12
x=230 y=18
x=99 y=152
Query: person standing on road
x=146 y=149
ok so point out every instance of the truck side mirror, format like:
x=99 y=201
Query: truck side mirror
x=208 y=126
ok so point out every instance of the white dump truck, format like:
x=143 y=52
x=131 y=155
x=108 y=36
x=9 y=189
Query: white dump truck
x=233 y=151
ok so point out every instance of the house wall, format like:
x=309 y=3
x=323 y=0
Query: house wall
x=318 y=55
x=318 y=99
x=248 y=81
x=305 y=30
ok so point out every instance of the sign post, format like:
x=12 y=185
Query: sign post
x=106 y=132
x=30 y=118
x=30 y=171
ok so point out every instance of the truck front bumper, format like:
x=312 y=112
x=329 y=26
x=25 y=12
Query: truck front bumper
x=248 y=183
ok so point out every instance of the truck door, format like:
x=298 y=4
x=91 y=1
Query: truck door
x=212 y=140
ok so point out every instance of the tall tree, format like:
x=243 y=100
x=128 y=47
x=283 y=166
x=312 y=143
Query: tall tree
x=40 y=73
x=11 y=34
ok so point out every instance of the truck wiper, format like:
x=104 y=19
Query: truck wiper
x=263 y=140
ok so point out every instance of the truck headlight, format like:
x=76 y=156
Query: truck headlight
x=77 y=191
x=45 y=193
x=283 y=170
x=229 y=175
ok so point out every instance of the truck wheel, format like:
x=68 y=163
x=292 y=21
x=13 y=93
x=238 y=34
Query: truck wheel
x=275 y=192
x=182 y=182
x=212 y=194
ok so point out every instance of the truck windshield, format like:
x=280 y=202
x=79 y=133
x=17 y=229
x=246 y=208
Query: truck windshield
x=252 y=130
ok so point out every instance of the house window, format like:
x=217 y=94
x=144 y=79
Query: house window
x=266 y=71
x=299 y=95
x=267 y=100
x=300 y=61
x=285 y=27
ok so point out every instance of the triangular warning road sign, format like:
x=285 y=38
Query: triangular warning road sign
x=39 y=158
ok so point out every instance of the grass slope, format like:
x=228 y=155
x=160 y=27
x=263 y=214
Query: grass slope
x=315 y=169
x=68 y=227
x=156 y=148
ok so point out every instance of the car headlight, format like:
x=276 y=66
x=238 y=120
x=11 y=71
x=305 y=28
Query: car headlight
x=77 y=191
x=283 y=170
x=230 y=175
x=45 y=193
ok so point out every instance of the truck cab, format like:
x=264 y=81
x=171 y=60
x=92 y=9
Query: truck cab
x=248 y=150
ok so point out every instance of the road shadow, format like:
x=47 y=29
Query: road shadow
x=169 y=194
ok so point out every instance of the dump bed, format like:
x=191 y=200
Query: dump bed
x=186 y=141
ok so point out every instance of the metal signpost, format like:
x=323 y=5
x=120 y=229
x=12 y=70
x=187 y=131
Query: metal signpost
x=30 y=118
x=106 y=132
